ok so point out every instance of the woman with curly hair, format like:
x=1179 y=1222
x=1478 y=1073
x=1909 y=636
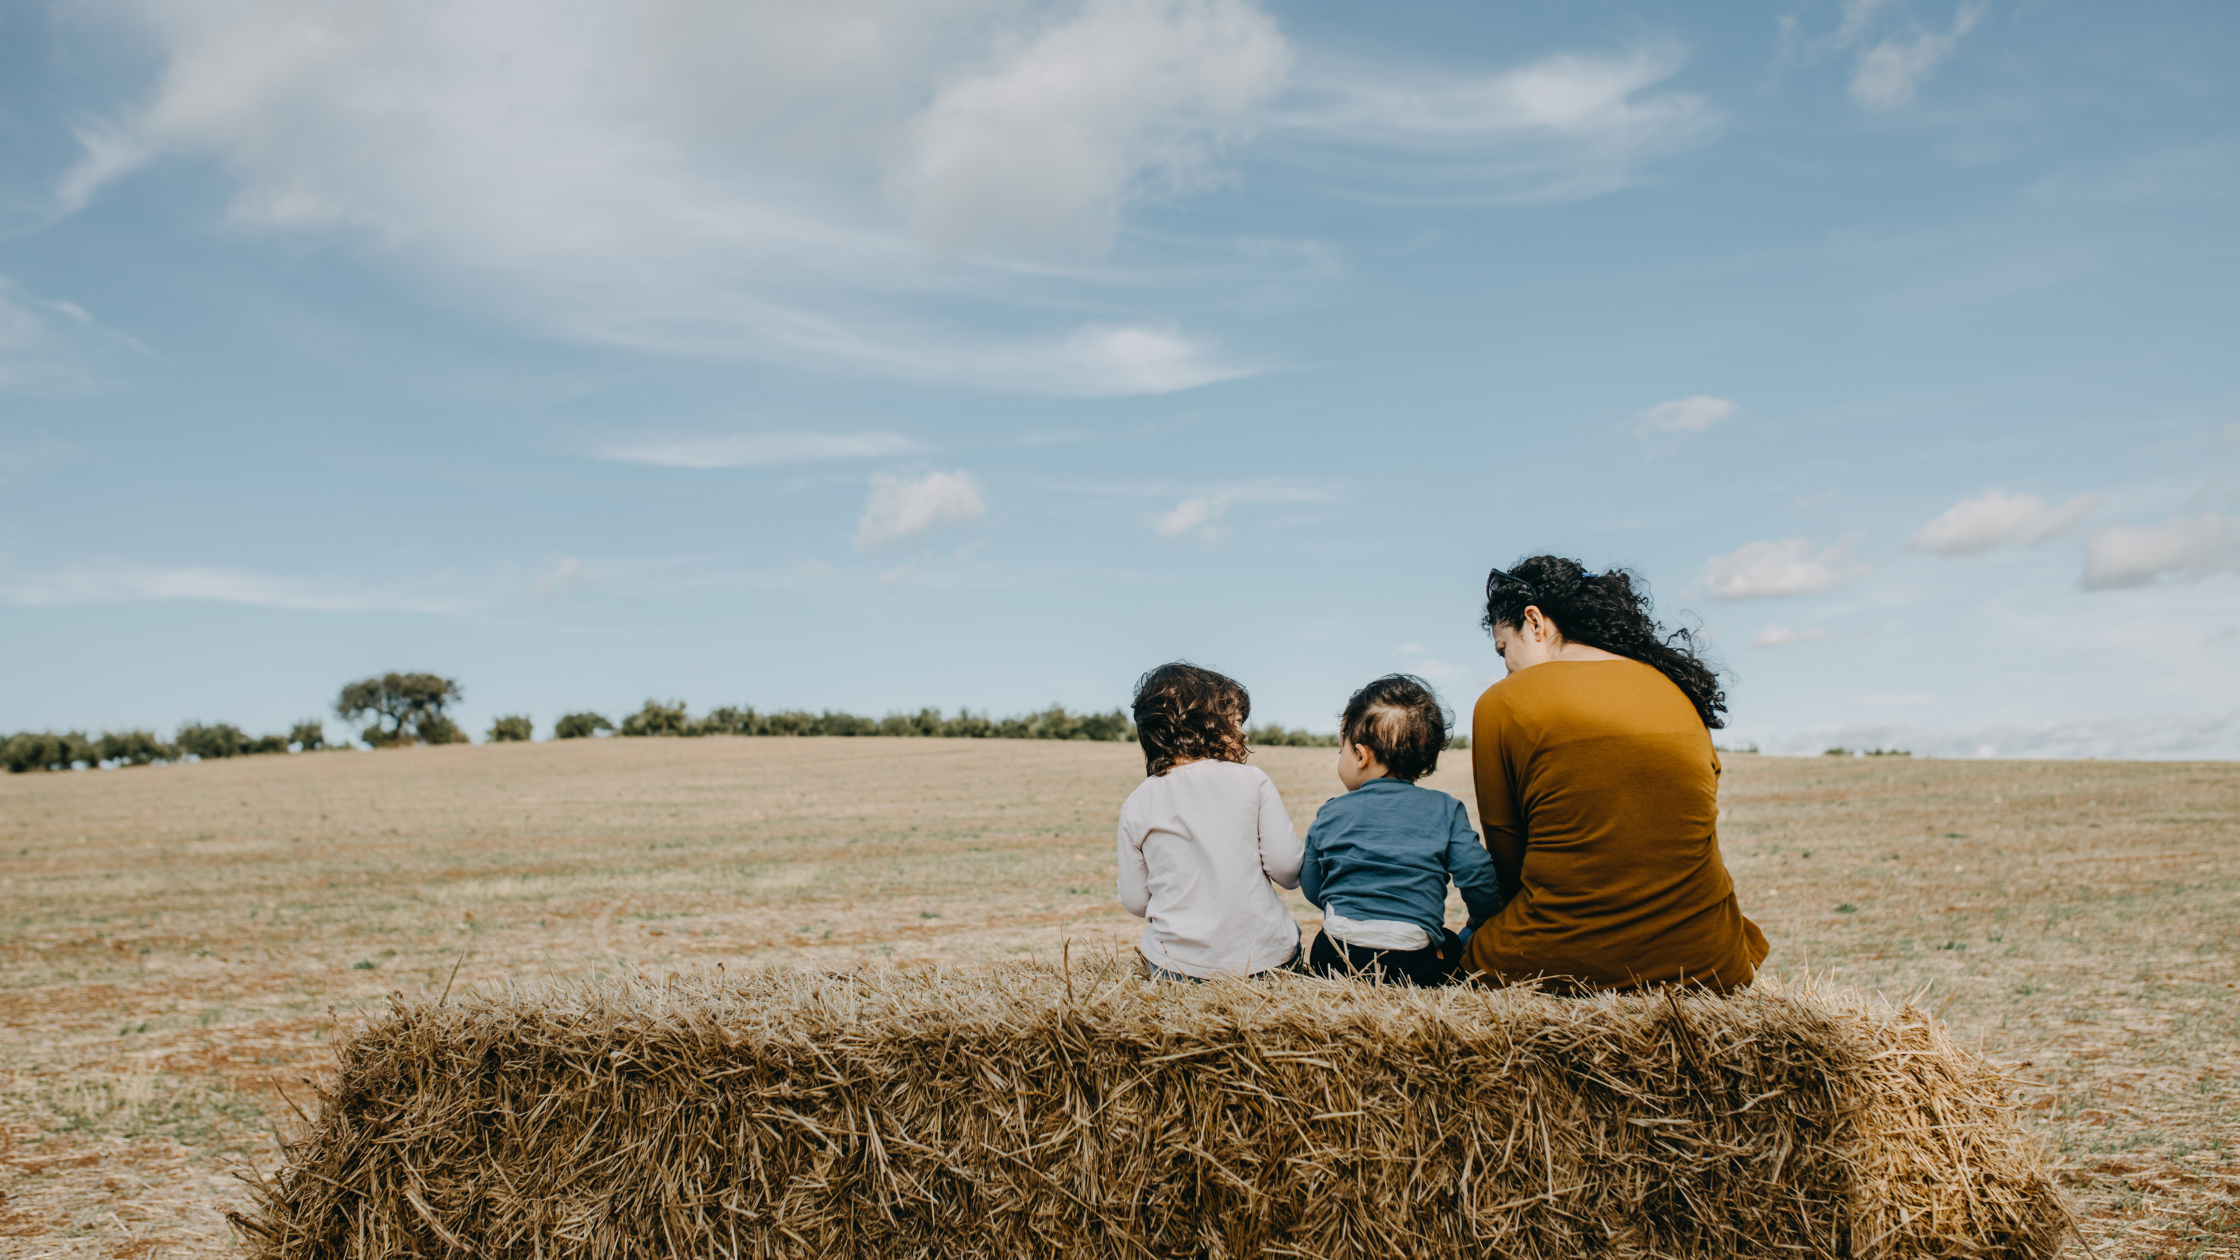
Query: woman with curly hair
x=1598 y=792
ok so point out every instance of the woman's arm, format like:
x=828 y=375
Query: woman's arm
x=1470 y=866
x=1280 y=850
x=1135 y=875
x=1492 y=763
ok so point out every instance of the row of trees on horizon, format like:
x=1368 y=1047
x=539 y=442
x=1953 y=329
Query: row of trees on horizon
x=403 y=710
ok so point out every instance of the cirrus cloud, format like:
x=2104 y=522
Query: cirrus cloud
x=691 y=176
x=1776 y=635
x=756 y=450
x=1685 y=415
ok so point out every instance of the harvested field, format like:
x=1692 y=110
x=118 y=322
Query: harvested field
x=181 y=942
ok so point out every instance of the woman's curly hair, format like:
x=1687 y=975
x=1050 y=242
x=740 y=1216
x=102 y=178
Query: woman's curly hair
x=1185 y=712
x=1604 y=610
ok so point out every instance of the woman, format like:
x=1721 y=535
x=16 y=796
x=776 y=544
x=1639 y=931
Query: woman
x=1598 y=791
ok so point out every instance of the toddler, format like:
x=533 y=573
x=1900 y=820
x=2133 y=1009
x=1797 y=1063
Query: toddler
x=1379 y=857
x=1203 y=835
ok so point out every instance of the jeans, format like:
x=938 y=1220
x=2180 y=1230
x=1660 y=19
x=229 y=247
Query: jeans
x=1426 y=968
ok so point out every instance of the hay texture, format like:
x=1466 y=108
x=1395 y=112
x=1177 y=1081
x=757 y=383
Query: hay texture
x=1024 y=1110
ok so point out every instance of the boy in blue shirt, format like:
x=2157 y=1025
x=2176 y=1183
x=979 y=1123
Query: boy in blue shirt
x=1378 y=858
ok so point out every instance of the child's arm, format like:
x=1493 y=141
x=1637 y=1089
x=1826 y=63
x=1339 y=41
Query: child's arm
x=1310 y=865
x=1135 y=875
x=1280 y=850
x=1471 y=867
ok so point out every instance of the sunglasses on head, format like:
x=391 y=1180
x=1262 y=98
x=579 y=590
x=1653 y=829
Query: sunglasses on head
x=1498 y=579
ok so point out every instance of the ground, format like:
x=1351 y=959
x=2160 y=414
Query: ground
x=181 y=945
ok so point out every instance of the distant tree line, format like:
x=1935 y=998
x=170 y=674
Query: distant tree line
x=673 y=719
x=403 y=708
x=406 y=709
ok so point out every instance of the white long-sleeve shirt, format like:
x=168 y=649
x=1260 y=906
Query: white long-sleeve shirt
x=1198 y=846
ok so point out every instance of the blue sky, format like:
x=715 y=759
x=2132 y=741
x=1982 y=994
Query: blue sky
x=987 y=352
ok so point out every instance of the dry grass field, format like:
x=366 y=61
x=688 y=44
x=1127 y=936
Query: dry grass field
x=180 y=946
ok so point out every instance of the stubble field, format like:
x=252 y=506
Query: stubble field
x=180 y=946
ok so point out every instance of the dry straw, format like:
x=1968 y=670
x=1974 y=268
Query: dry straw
x=1024 y=1111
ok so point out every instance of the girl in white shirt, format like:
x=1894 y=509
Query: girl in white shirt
x=1205 y=833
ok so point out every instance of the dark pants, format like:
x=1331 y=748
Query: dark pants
x=1424 y=968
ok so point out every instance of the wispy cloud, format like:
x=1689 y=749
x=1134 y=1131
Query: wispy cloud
x=704 y=178
x=1889 y=71
x=2187 y=548
x=1773 y=634
x=567 y=574
x=124 y=583
x=1049 y=144
x=756 y=450
x=2215 y=734
x=1200 y=515
x=1684 y=415
x=1562 y=128
x=1766 y=570
x=1447 y=675
x=898 y=509
x=48 y=347
x=1995 y=518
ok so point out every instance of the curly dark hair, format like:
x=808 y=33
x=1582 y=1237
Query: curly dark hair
x=1610 y=611
x=1187 y=712
x=1400 y=720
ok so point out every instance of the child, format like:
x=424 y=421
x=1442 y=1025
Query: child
x=1378 y=858
x=1203 y=835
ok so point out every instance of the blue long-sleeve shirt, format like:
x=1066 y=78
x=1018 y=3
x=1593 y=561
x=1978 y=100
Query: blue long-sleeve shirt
x=1386 y=850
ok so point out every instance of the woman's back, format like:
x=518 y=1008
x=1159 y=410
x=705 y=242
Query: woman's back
x=1598 y=792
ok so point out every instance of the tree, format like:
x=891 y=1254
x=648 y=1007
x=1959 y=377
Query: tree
x=267 y=744
x=309 y=735
x=406 y=709
x=219 y=739
x=659 y=719
x=580 y=726
x=47 y=751
x=513 y=728
x=133 y=748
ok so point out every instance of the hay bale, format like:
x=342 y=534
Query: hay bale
x=1019 y=1110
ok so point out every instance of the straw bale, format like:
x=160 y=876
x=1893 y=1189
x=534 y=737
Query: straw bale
x=1025 y=1110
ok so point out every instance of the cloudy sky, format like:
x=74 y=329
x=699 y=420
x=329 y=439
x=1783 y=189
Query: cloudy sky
x=879 y=354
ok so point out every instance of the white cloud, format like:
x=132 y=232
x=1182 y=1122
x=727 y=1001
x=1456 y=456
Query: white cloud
x=1187 y=515
x=1887 y=74
x=1418 y=660
x=756 y=450
x=1562 y=128
x=1996 y=517
x=695 y=176
x=1685 y=415
x=898 y=509
x=1763 y=570
x=105 y=584
x=1201 y=514
x=2185 y=547
x=1049 y=144
x=1774 y=634
x=567 y=575
x=47 y=347
x=2180 y=735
